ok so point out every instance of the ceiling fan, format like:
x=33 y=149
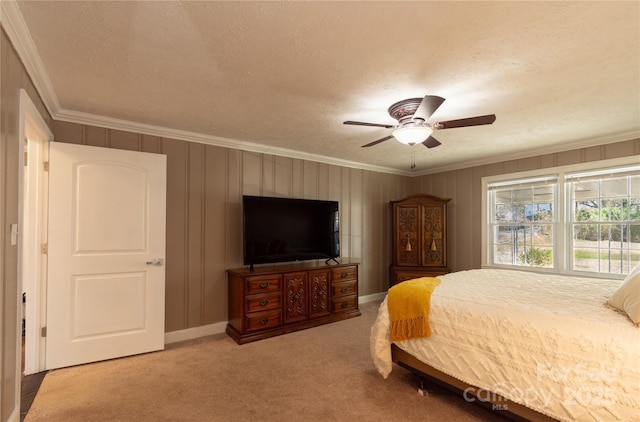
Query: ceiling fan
x=412 y=115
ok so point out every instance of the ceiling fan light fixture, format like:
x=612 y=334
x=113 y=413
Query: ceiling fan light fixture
x=411 y=135
x=412 y=128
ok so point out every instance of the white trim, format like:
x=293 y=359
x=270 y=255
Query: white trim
x=611 y=172
x=220 y=327
x=584 y=143
x=15 y=415
x=196 y=332
x=561 y=230
x=183 y=135
x=529 y=181
x=554 y=171
x=375 y=297
x=484 y=213
x=18 y=32
x=32 y=127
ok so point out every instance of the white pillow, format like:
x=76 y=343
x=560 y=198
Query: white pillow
x=627 y=297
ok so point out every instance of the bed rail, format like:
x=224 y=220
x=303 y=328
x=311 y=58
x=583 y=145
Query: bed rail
x=495 y=402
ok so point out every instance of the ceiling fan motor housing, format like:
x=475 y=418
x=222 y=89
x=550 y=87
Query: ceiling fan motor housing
x=404 y=110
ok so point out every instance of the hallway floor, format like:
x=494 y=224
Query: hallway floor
x=29 y=387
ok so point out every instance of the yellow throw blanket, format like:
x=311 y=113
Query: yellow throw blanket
x=408 y=304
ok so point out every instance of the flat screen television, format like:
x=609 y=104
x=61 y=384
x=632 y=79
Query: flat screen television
x=289 y=229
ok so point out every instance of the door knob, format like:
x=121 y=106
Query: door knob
x=158 y=262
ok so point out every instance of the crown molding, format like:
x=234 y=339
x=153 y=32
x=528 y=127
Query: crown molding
x=17 y=31
x=164 y=132
x=584 y=143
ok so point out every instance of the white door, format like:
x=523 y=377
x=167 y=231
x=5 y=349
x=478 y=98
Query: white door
x=106 y=276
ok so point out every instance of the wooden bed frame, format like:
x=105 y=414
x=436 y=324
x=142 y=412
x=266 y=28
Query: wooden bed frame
x=494 y=402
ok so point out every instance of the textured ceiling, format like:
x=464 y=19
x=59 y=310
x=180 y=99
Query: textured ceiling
x=287 y=74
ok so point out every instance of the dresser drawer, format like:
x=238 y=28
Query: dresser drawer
x=263 y=283
x=341 y=274
x=344 y=289
x=264 y=302
x=263 y=320
x=398 y=276
x=346 y=303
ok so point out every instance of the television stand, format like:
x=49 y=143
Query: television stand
x=331 y=259
x=267 y=302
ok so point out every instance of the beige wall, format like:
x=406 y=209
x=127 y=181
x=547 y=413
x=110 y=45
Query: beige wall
x=464 y=188
x=204 y=192
x=13 y=77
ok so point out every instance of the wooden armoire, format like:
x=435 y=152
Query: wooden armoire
x=419 y=233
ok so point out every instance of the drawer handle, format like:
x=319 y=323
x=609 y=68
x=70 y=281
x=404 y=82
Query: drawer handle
x=264 y=285
x=344 y=304
x=344 y=289
x=343 y=274
x=264 y=321
x=264 y=302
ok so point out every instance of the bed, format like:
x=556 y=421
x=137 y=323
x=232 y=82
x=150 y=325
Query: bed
x=540 y=346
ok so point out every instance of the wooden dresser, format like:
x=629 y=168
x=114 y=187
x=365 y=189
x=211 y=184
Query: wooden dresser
x=281 y=299
x=419 y=233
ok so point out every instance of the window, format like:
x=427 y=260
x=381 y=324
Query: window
x=605 y=222
x=572 y=219
x=522 y=221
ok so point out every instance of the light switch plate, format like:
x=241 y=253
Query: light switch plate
x=14 y=234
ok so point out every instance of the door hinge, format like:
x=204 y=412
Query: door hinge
x=46 y=166
x=26 y=159
x=45 y=248
x=43 y=332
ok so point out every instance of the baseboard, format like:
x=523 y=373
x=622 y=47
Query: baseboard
x=375 y=297
x=196 y=332
x=220 y=327
x=15 y=415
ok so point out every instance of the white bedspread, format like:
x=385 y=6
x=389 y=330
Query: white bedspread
x=545 y=341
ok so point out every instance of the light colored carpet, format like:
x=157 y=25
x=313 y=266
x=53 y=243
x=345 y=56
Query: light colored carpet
x=320 y=374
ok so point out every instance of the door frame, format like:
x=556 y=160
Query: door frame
x=34 y=135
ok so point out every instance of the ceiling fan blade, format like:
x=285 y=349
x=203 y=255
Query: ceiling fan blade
x=377 y=142
x=350 y=122
x=431 y=142
x=428 y=106
x=469 y=121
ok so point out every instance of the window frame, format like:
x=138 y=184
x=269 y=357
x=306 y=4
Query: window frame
x=514 y=185
x=563 y=231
